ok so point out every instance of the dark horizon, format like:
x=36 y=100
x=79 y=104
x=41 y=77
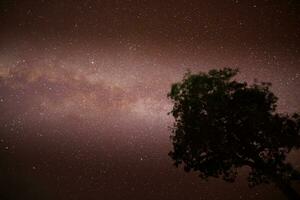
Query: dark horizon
x=83 y=90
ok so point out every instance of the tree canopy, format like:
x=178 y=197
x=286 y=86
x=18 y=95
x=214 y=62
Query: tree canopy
x=222 y=124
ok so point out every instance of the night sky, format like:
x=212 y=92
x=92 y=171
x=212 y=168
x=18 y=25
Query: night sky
x=83 y=91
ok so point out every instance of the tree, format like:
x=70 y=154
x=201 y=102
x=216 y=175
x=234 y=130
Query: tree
x=222 y=124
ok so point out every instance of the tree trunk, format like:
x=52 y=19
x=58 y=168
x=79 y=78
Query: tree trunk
x=289 y=192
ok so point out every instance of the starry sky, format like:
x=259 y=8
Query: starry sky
x=83 y=90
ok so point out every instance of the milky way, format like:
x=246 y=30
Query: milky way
x=83 y=90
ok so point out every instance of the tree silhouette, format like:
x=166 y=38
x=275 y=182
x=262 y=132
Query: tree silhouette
x=222 y=124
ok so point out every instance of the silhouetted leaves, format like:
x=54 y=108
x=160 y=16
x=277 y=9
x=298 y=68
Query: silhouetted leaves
x=222 y=124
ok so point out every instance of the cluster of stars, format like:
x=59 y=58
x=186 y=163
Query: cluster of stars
x=83 y=89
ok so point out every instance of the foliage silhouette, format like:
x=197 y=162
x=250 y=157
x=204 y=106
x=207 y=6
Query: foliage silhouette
x=222 y=124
